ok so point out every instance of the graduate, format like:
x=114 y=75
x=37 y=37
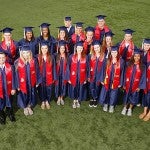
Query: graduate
x=48 y=72
x=61 y=70
x=134 y=80
x=107 y=43
x=27 y=79
x=30 y=40
x=113 y=80
x=47 y=37
x=145 y=115
x=7 y=89
x=69 y=26
x=8 y=45
x=101 y=28
x=77 y=75
x=89 y=39
x=126 y=47
x=97 y=64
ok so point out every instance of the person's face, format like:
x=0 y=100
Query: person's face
x=79 y=30
x=114 y=54
x=7 y=36
x=62 y=49
x=89 y=35
x=127 y=37
x=44 y=50
x=137 y=57
x=2 y=59
x=108 y=39
x=146 y=47
x=101 y=23
x=26 y=54
x=62 y=34
x=29 y=35
x=96 y=48
x=79 y=49
x=44 y=31
x=67 y=23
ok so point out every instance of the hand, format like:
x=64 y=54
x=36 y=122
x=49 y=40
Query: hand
x=37 y=85
x=88 y=79
x=69 y=82
x=102 y=83
x=137 y=89
x=13 y=92
x=18 y=89
x=84 y=82
x=119 y=86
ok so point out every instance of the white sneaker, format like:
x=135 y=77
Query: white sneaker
x=26 y=113
x=111 y=109
x=74 y=104
x=30 y=111
x=124 y=110
x=78 y=104
x=62 y=102
x=58 y=102
x=105 y=107
x=129 y=112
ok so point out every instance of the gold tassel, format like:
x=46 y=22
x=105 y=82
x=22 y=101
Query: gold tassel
x=39 y=48
x=2 y=37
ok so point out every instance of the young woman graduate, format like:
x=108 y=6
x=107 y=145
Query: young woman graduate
x=48 y=73
x=8 y=45
x=113 y=80
x=27 y=79
x=134 y=80
x=77 y=75
x=29 y=40
x=47 y=37
x=146 y=95
x=61 y=70
x=97 y=66
x=7 y=89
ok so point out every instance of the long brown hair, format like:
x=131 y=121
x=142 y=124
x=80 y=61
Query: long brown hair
x=104 y=44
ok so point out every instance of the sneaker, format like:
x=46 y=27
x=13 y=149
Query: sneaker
x=111 y=109
x=138 y=105
x=47 y=105
x=77 y=104
x=129 y=112
x=91 y=103
x=26 y=113
x=43 y=105
x=62 y=102
x=124 y=110
x=58 y=102
x=105 y=107
x=95 y=103
x=74 y=105
x=30 y=111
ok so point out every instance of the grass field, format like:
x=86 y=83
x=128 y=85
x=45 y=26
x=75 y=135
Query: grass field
x=62 y=128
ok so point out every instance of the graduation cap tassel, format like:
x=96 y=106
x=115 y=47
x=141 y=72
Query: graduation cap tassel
x=2 y=37
x=74 y=49
x=39 y=49
x=143 y=44
x=41 y=30
x=24 y=34
x=57 y=46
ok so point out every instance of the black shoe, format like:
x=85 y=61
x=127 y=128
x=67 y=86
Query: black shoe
x=91 y=103
x=10 y=114
x=95 y=103
x=2 y=117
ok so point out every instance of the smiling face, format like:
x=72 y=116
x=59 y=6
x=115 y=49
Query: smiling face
x=67 y=23
x=26 y=54
x=114 y=54
x=29 y=35
x=62 y=49
x=7 y=36
x=108 y=40
x=79 y=30
x=146 y=47
x=127 y=37
x=101 y=23
x=79 y=49
x=62 y=34
x=44 y=49
x=137 y=58
x=45 y=31
x=96 y=48
x=2 y=59
x=89 y=35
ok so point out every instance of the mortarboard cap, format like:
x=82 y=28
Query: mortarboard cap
x=28 y=29
x=99 y=17
x=67 y=18
x=44 y=25
x=96 y=43
x=146 y=40
x=79 y=24
x=137 y=51
x=80 y=43
x=7 y=30
x=61 y=43
x=89 y=28
x=114 y=48
x=128 y=31
x=62 y=28
x=25 y=48
x=109 y=33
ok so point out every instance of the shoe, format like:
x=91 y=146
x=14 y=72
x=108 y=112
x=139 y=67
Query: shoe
x=10 y=114
x=43 y=105
x=91 y=103
x=62 y=102
x=74 y=105
x=2 y=117
x=30 y=111
x=138 y=105
x=58 y=102
x=26 y=113
x=95 y=103
x=47 y=105
x=141 y=116
x=129 y=112
x=124 y=110
x=146 y=118
x=105 y=107
x=111 y=109
x=78 y=104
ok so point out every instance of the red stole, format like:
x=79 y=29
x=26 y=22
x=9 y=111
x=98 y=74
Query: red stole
x=12 y=48
x=148 y=72
x=85 y=46
x=9 y=76
x=130 y=50
x=98 y=31
x=81 y=37
x=117 y=75
x=137 y=76
x=22 y=74
x=73 y=70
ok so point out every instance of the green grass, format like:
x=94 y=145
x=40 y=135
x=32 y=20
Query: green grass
x=84 y=128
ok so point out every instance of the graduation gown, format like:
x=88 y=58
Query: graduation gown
x=70 y=32
x=27 y=77
x=7 y=83
x=113 y=78
x=134 y=78
x=97 y=69
x=48 y=74
x=77 y=73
